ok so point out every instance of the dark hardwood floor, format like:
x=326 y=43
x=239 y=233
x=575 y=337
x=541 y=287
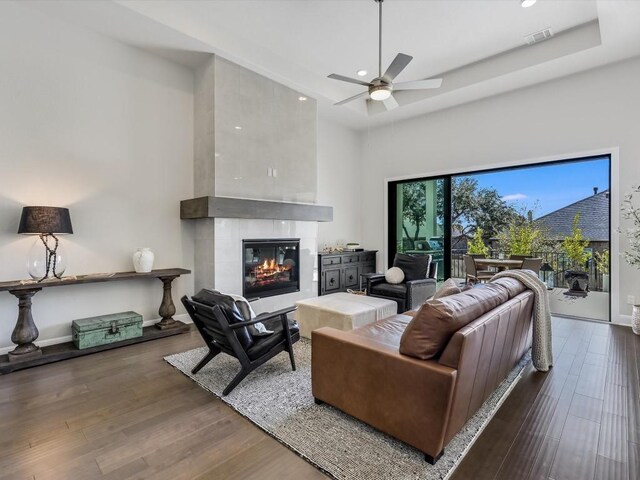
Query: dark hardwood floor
x=126 y=414
x=580 y=421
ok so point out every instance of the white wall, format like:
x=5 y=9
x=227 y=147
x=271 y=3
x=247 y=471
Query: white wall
x=340 y=184
x=591 y=111
x=106 y=130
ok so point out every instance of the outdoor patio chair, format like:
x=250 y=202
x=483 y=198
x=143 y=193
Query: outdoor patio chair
x=473 y=274
x=532 y=264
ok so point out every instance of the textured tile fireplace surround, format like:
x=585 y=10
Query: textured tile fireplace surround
x=254 y=140
x=229 y=233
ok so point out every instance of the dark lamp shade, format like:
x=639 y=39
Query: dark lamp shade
x=546 y=268
x=37 y=220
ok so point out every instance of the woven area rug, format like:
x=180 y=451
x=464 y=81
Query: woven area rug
x=279 y=401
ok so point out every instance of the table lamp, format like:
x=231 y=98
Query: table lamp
x=46 y=222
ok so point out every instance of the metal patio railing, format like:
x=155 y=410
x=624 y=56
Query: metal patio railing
x=558 y=261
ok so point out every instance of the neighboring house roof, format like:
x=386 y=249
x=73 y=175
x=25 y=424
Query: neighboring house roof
x=594 y=218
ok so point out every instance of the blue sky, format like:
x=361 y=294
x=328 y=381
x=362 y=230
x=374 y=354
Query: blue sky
x=550 y=187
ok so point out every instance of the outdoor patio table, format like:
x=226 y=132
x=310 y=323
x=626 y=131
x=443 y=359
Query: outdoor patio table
x=499 y=263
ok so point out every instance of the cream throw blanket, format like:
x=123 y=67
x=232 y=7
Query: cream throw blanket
x=541 y=354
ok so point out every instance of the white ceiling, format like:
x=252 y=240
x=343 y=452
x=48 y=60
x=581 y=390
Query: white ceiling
x=300 y=42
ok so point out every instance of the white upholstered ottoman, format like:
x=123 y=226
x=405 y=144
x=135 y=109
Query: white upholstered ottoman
x=343 y=311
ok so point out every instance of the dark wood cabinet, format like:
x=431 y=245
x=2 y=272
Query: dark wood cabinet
x=338 y=272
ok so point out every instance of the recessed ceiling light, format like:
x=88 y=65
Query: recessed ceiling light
x=238 y=127
x=527 y=3
x=361 y=73
x=302 y=98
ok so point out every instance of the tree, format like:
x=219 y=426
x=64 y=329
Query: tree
x=574 y=246
x=602 y=261
x=414 y=209
x=519 y=239
x=477 y=208
x=477 y=245
x=523 y=236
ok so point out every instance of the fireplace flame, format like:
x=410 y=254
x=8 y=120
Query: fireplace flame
x=270 y=268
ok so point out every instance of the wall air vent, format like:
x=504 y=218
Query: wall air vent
x=540 y=36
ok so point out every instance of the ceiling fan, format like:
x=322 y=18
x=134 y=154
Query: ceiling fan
x=382 y=87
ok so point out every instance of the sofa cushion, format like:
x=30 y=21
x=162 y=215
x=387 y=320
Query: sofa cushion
x=387 y=331
x=230 y=310
x=428 y=333
x=450 y=287
x=514 y=287
x=265 y=344
x=389 y=290
x=415 y=267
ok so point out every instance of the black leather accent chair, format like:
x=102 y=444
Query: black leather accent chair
x=224 y=329
x=419 y=285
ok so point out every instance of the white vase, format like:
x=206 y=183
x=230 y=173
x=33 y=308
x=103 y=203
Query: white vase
x=635 y=319
x=143 y=260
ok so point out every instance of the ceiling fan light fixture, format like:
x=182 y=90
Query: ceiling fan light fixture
x=380 y=88
x=380 y=92
x=527 y=3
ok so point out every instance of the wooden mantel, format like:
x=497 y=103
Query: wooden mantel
x=227 y=207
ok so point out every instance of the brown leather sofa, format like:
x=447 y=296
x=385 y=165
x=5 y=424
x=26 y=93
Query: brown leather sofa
x=424 y=403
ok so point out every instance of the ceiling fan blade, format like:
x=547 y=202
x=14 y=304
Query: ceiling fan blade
x=390 y=103
x=355 y=97
x=342 y=78
x=418 y=84
x=399 y=63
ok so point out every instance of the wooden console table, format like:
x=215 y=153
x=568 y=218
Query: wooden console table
x=28 y=354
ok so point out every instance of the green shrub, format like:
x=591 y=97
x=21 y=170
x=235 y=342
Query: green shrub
x=602 y=261
x=520 y=239
x=574 y=246
x=476 y=244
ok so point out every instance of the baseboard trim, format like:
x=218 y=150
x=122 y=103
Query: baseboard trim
x=624 y=320
x=67 y=338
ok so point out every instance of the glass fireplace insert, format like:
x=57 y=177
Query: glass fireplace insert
x=270 y=267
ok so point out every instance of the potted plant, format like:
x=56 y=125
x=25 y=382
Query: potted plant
x=602 y=263
x=574 y=247
x=476 y=245
x=632 y=255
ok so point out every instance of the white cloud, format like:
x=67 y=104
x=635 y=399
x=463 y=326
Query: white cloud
x=514 y=196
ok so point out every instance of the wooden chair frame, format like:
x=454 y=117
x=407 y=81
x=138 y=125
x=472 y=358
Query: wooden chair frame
x=219 y=336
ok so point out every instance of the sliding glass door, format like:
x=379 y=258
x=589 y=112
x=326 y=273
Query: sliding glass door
x=556 y=214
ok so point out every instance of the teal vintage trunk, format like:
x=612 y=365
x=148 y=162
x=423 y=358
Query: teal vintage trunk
x=115 y=327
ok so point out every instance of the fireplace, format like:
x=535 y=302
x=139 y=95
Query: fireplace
x=270 y=267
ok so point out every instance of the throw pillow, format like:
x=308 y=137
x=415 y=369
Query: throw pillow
x=257 y=329
x=450 y=287
x=415 y=267
x=429 y=332
x=394 y=275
